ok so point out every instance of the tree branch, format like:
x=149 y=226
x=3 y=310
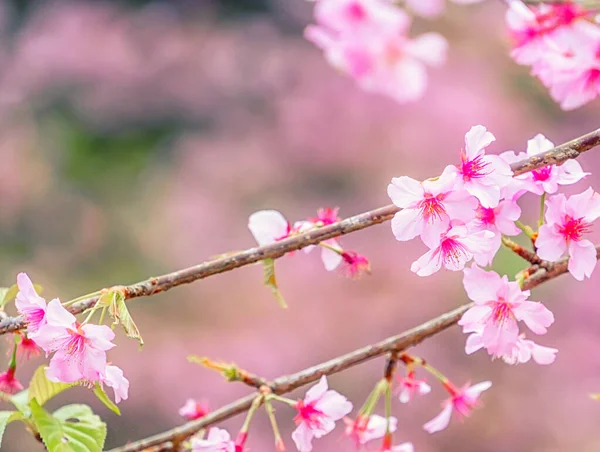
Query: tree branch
x=171 y=439
x=152 y=286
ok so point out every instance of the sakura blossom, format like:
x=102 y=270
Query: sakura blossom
x=499 y=305
x=9 y=383
x=114 y=379
x=368 y=40
x=27 y=348
x=521 y=352
x=218 y=440
x=462 y=400
x=410 y=386
x=192 y=410
x=452 y=249
x=354 y=264
x=80 y=349
x=430 y=204
x=366 y=428
x=268 y=226
x=481 y=175
x=567 y=223
x=30 y=304
x=331 y=250
x=317 y=414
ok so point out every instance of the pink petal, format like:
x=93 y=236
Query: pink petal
x=555 y=208
x=61 y=370
x=441 y=421
x=551 y=246
x=334 y=405
x=535 y=315
x=376 y=427
x=407 y=224
x=426 y=8
x=404 y=447
x=476 y=140
x=331 y=259
x=543 y=355
x=570 y=173
x=481 y=286
x=538 y=144
x=474 y=343
x=57 y=315
x=116 y=380
x=430 y=48
x=267 y=226
x=317 y=391
x=476 y=390
x=583 y=259
x=428 y=263
x=303 y=437
x=405 y=191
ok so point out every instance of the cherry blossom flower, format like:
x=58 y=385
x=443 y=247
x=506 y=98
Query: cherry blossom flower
x=114 y=379
x=409 y=386
x=521 y=352
x=567 y=222
x=331 y=251
x=80 y=349
x=366 y=428
x=27 y=348
x=30 y=304
x=462 y=400
x=317 y=414
x=193 y=410
x=430 y=204
x=368 y=40
x=354 y=264
x=481 y=175
x=8 y=383
x=218 y=440
x=499 y=305
x=453 y=249
x=268 y=226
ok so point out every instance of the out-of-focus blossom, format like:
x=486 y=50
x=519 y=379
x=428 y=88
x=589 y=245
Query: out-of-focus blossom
x=521 y=352
x=366 y=428
x=331 y=251
x=409 y=386
x=30 y=304
x=452 y=249
x=218 y=440
x=354 y=264
x=499 y=305
x=432 y=8
x=9 y=383
x=567 y=222
x=114 y=378
x=481 y=175
x=268 y=226
x=430 y=204
x=462 y=400
x=317 y=414
x=27 y=348
x=368 y=40
x=192 y=410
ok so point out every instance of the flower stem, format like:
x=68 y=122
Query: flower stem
x=542 y=208
x=433 y=371
x=83 y=297
x=251 y=412
x=525 y=228
x=373 y=398
x=13 y=357
x=388 y=408
x=332 y=248
x=285 y=400
x=274 y=426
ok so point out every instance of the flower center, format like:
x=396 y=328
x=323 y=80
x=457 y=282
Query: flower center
x=486 y=215
x=76 y=342
x=432 y=208
x=501 y=312
x=356 y=12
x=308 y=414
x=473 y=169
x=574 y=228
x=542 y=174
x=453 y=251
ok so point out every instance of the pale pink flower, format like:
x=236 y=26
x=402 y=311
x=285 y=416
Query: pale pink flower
x=452 y=249
x=462 y=401
x=481 y=175
x=521 y=352
x=426 y=8
x=30 y=304
x=409 y=386
x=430 y=204
x=268 y=226
x=364 y=429
x=567 y=222
x=193 y=410
x=317 y=414
x=218 y=440
x=80 y=349
x=499 y=305
x=114 y=379
x=8 y=383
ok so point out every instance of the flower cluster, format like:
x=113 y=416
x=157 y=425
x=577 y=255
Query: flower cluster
x=561 y=45
x=79 y=348
x=270 y=226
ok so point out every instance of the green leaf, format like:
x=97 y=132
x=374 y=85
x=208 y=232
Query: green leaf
x=8 y=294
x=72 y=428
x=6 y=417
x=21 y=401
x=105 y=400
x=271 y=281
x=119 y=312
x=43 y=389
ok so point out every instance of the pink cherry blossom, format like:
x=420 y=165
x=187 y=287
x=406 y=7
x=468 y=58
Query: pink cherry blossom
x=317 y=414
x=268 y=226
x=430 y=204
x=481 y=175
x=409 y=386
x=8 y=383
x=30 y=304
x=27 y=348
x=567 y=222
x=331 y=250
x=193 y=410
x=354 y=264
x=521 y=352
x=80 y=349
x=114 y=379
x=366 y=428
x=368 y=41
x=218 y=440
x=499 y=305
x=452 y=249
x=326 y=216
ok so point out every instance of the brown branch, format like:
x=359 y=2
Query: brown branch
x=152 y=286
x=394 y=344
x=526 y=254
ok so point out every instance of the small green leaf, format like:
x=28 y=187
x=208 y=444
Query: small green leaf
x=21 y=401
x=120 y=314
x=106 y=300
x=271 y=281
x=6 y=417
x=72 y=428
x=43 y=389
x=105 y=400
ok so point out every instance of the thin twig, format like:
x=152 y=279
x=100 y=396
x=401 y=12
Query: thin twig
x=152 y=286
x=394 y=344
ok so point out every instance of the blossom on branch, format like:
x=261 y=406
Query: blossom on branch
x=113 y=378
x=409 y=386
x=268 y=226
x=193 y=410
x=9 y=383
x=218 y=440
x=30 y=304
x=366 y=428
x=522 y=351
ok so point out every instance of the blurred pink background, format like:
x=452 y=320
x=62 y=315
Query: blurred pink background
x=136 y=139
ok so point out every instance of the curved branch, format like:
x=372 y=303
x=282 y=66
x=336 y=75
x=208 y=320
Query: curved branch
x=171 y=439
x=152 y=286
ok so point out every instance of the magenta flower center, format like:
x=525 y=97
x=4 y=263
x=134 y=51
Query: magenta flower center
x=356 y=12
x=35 y=317
x=501 y=311
x=473 y=169
x=432 y=208
x=309 y=414
x=453 y=251
x=558 y=16
x=486 y=215
x=542 y=174
x=574 y=228
x=463 y=404
x=75 y=345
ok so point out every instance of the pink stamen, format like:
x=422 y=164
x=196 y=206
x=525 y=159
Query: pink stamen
x=574 y=228
x=473 y=169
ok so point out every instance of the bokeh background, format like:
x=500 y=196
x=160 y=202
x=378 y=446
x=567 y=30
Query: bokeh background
x=137 y=136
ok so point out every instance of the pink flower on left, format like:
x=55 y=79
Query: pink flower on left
x=30 y=304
